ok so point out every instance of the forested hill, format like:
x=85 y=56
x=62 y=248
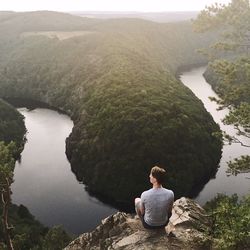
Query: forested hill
x=41 y=20
x=116 y=80
x=161 y=17
x=11 y=125
x=176 y=40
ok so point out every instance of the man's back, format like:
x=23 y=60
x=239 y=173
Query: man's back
x=157 y=203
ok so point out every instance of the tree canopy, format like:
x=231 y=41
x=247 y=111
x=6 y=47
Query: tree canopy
x=230 y=77
x=230 y=222
x=117 y=81
x=12 y=126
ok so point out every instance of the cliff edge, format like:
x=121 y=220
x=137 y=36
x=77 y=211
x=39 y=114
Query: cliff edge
x=124 y=231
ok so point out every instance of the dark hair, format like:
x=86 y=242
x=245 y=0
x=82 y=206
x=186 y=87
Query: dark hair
x=159 y=174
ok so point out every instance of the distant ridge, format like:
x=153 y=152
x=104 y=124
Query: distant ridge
x=161 y=17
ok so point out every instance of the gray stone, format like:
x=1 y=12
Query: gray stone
x=125 y=231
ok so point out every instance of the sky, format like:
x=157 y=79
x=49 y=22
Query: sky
x=107 y=5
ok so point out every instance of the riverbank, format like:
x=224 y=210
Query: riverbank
x=221 y=183
x=53 y=194
x=45 y=164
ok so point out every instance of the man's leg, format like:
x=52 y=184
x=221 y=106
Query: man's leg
x=138 y=206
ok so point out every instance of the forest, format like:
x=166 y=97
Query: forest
x=117 y=82
x=116 y=79
x=26 y=232
x=12 y=126
x=229 y=76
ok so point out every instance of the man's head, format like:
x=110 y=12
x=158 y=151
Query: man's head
x=157 y=174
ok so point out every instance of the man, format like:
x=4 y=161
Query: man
x=155 y=205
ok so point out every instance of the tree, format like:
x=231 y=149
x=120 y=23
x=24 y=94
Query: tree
x=231 y=77
x=56 y=239
x=232 y=19
x=230 y=222
x=7 y=164
x=239 y=165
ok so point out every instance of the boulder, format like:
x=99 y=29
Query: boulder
x=185 y=230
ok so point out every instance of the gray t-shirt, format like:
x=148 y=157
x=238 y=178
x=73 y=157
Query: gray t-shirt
x=157 y=202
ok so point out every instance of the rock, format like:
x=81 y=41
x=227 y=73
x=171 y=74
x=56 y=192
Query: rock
x=125 y=231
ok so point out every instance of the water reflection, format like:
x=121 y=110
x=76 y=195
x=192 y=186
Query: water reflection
x=45 y=184
x=43 y=179
x=222 y=183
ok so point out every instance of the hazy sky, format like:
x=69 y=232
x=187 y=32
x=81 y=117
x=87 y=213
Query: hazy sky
x=106 y=5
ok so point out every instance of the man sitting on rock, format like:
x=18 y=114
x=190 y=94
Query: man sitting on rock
x=155 y=205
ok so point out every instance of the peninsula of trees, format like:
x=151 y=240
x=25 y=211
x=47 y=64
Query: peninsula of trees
x=116 y=79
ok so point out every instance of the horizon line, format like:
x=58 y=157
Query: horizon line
x=103 y=11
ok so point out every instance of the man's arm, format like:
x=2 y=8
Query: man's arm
x=142 y=209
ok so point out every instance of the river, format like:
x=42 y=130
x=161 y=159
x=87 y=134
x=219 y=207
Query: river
x=222 y=183
x=43 y=180
x=45 y=184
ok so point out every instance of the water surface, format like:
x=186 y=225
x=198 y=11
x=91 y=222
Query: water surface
x=221 y=183
x=43 y=179
x=45 y=184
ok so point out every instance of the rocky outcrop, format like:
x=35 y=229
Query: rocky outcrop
x=124 y=231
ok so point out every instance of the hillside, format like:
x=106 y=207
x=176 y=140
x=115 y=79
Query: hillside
x=117 y=83
x=161 y=17
x=12 y=126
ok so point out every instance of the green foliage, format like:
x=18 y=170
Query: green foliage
x=233 y=20
x=118 y=84
x=239 y=165
x=7 y=162
x=11 y=126
x=231 y=81
x=240 y=118
x=230 y=78
x=24 y=224
x=230 y=222
x=56 y=239
x=149 y=119
x=27 y=233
